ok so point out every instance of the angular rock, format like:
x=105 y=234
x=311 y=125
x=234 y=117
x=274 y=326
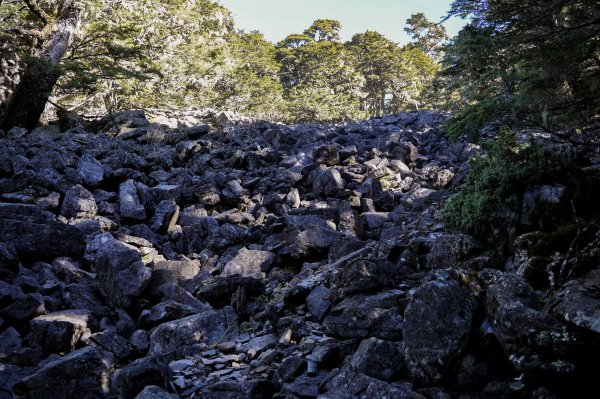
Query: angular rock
x=79 y=203
x=328 y=183
x=121 y=271
x=85 y=370
x=179 y=337
x=165 y=217
x=437 y=324
x=24 y=308
x=218 y=293
x=364 y=276
x=130 y=204
x=61 y=331
x=379 y=359
x=131 y=379
x=10 y=341
x=9 y=262
x=32 y=233
x=319 y=301
x=90 y=170
x=450 y=249
x=154 y=392
x=249 y=262
x=361 y=316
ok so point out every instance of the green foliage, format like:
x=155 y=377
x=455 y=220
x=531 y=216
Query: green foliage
x=538 y=61
x=497 y=181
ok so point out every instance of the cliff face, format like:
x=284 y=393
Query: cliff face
x=261 y=260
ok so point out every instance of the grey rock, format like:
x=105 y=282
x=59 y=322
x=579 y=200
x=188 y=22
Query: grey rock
x=154 y=392
x=379 y=359
x=319 y=301
x=326 y=154
x=364 y=276
x=437 y=324
x=165 y=217
x=121 y=272
x=362 y=316
x=24 y=308
x=85 y=370
x=61 y=331
x=578 y=305
x=305 y=386
x=10 y=341
x=348 y=384
x=328 y=182
x=218 y=292
x=130 y=204
x=9 y=263
x=179 y=337
x=90 y=170
x=249 y=262
x=131 y=379
x=79 y=203
x=33 y=233
x=450 y=249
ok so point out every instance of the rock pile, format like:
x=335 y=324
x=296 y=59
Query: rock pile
x=268 y=261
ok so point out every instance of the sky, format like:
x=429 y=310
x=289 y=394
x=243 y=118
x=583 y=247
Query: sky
x=278 y=18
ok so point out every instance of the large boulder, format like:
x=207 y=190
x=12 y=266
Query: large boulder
x=328 y=182
x=180 y=337
x=121 y=271
x=437 y=324
x=249 y=262
x=79 y=203
x=84 y=372
x=365 y=276
x=35 y=234
x=367 y=316
x=379 y=359
x=60 y=331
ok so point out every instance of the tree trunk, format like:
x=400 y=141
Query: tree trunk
x=30 y=97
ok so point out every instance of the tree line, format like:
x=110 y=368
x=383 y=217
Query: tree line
x=116 y=54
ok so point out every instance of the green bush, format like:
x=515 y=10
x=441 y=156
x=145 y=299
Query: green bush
x=497 y=181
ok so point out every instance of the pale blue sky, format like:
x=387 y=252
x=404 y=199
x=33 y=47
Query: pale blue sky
x=278 y=18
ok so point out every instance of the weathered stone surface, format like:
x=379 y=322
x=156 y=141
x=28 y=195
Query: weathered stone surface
x=131 y=379
x=328 y=183
x=437 y=324
x=349 y=384
x=60 y=331
x=578 y=305
x=154 y=392
x=249 y=262
x=129 y=201
x=90 y=170
x=319 y=301
x=33 y=234
x=180 y=336
x=448 y=250
x=379 y=359
x=9 y=262
x=79 y=203
x=83 y=371
x=362 y=316
x=121 y=272
x=365 y=276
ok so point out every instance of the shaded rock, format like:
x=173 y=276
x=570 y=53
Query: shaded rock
x=24 y=308
x=328 y=183
x=348 y=384
x=154 y=392
x=362 y=316
x=319 y=301
x=289 y=369
x=33 y=234
x=85 y=370
x=9 y=263
x=79 y=203
x=113 y=343
x=448 y=250
x=165 y=217
x=577 y=305
x=218 y=292
x=121 y=272
x=90 y=170
x=249 y=262
x=305 y=386
x=235 y=390
x=61 y=331
x=326 y=154
x=378 y=359
x=130 y=380
x=10 y=341
x=311 y=243
x=364 y=276
x=437 y=324
x=172 y=271
x=130 y=204
x=179 y=337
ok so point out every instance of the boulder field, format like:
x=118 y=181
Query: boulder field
x=143 y=261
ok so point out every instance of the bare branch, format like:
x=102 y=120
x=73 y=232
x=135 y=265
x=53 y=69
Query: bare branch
x=37 y=11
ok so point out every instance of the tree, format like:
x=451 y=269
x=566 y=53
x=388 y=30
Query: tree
x=533 y=62
x=325 y=29
x=55 y=33
x=427 y=36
